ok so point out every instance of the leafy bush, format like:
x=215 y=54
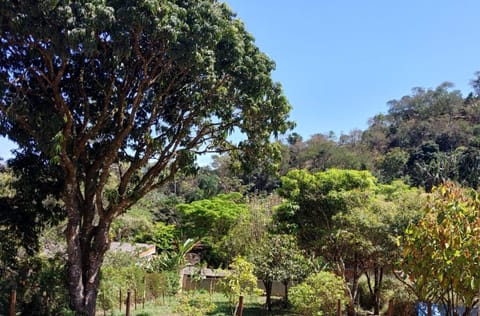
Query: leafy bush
x=318 y=294
x=239 y=281
x=403 y=297
x=195 y=303
x=40 y=285
x=123 y=272
x=162 y=235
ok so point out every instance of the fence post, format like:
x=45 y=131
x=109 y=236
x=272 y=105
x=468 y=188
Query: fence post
x=13 y=301
x=128 y=304
x=240 y=306
x=120 y=300
x=339 y=308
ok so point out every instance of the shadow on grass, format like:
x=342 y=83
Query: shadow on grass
x=251 y=309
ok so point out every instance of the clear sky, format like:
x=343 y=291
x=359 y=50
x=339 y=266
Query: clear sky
x=340 y=61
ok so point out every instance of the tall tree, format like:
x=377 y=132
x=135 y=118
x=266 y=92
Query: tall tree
x=348 y=219
x=151 y=84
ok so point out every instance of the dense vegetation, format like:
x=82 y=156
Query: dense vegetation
x=107 y=150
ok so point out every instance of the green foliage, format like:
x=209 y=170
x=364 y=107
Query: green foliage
x=122 y=272
x=40 y=286
x=469 y=166
x=441 y=251
x=161 y=235
x=322 y=152
x=403 y=297
x=239 y=280
x=318 y=294
x=163 y=283
x=140 y=88
x=247 y=232
x=391 y=165
x=350 y=220
x=435 y=128
x=211 y=220
x=131 y=226
x=114 y=279
x=278 y=258
x=28 y=205
x=213 y=217
x=194 y=303
x=314 y=198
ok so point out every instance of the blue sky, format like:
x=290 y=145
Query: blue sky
x=340 y=61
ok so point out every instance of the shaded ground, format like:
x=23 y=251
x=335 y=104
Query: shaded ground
x=253 y=307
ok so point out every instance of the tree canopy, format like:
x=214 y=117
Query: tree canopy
x=441 y=253
x=135 y=87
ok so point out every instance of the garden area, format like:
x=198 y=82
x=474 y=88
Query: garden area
x=155 y=170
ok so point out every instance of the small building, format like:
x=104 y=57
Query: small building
x=195 y=278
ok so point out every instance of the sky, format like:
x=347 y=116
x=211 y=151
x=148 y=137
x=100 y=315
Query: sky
x=341 y=61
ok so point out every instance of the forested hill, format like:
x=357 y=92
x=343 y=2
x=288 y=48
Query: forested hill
x=425 y=138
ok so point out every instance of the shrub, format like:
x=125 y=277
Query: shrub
x=318 y=294
x=195 y=303
x=240 y=280
x=40 y=285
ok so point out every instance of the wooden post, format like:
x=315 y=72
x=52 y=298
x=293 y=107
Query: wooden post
x=339 y=308
x=390 y=308
x=128 y=304
x=120 y=300
x=240 y=306
x=13 y=301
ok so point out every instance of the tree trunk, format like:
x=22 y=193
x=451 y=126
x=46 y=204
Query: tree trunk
x=351 y=309
x=353 y=292
x=378 y=275
x=181 y=277
x=268 y=291
x=86 y=248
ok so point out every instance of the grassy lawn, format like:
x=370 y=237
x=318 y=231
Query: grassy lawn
x=253 y=306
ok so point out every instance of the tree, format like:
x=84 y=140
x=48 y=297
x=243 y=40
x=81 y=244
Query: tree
x=441 y=252
x=319 y=294
x=239 y=281
x=277 y=258
x=137 y=87
x=210 y=220
x=469 y=167
x=28 y=204
x=314 y=198
x=250 y=227
x=364 y=239
x=348 y=219
x=429 y=167
x=391 y=165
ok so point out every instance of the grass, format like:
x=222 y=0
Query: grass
x=253 y=306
